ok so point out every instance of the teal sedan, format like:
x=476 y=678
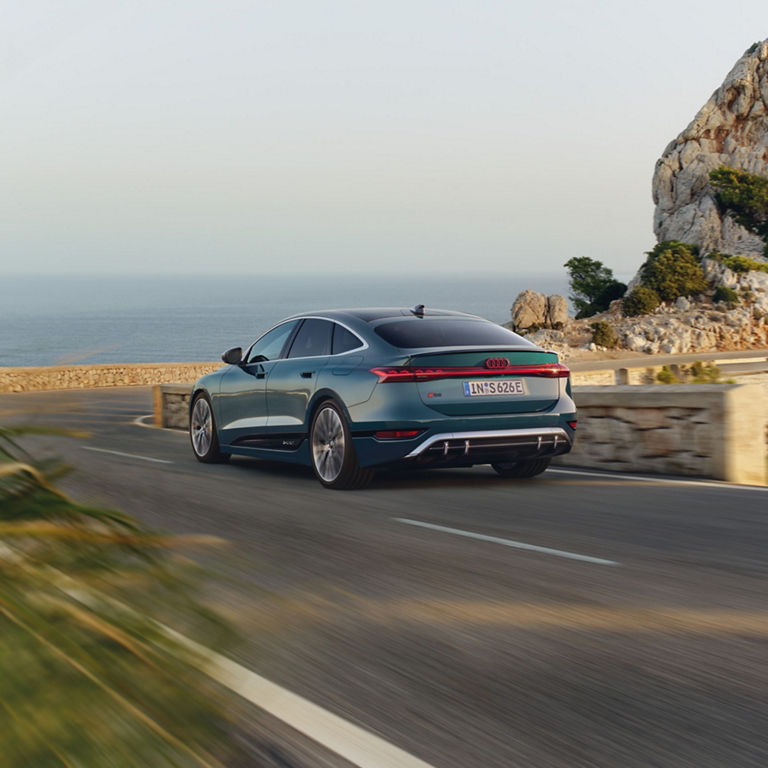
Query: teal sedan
x=351 y=391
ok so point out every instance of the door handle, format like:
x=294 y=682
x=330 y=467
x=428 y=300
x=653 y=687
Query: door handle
x=306 y=374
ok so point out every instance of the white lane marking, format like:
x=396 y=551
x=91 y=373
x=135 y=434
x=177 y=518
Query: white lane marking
x=508 y=542
x=141 y=421
x=663 y=480
x=354 y=744
x=126 y=455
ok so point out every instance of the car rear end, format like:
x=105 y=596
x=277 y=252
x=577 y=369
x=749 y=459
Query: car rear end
x=439 y=403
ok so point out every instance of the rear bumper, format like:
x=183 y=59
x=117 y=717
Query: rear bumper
x=520 y=443
x=465 y=448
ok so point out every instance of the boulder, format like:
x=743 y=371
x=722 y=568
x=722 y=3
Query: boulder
x=557 y=311
x=529 y=311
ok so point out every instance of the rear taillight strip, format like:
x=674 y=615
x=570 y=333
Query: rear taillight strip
x=407 y=373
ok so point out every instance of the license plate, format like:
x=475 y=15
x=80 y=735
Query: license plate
x=494 y=387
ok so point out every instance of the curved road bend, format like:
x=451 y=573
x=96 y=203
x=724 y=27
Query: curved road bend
x=572 y=620
x=743 y=361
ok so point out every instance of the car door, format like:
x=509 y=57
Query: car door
x=242 y=399
x=292 y=381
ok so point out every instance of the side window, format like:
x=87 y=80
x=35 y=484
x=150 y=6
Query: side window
x=313 y=339
x=271 y=344
x=344 y=340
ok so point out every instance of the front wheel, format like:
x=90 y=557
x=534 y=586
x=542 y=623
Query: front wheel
x=333 y=455
x=202 y=432
x=529 y=468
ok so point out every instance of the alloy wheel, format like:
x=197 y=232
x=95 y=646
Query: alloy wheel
x=201 y=427
x=328 y=444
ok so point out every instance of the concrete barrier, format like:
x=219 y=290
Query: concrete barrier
x=699 y=430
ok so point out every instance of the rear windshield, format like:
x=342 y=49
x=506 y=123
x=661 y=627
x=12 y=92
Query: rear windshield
x=446 y=332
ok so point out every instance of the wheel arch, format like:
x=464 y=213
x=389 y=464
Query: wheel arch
x=195 y=392
x=321 y=396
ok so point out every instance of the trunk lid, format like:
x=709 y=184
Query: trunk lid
x=487 y=381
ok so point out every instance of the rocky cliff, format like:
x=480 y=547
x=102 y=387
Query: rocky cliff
x=730 y=129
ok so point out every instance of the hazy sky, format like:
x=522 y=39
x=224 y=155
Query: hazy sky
x=251 y=136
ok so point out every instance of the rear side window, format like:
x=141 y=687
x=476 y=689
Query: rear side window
x=446 y=332
x=313 y=339
x=344 y=340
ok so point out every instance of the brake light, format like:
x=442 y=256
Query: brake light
x=406 y=373
x=396 y=434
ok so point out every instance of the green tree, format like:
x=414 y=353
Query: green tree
x=745 y=197
x=672 y=269
x=593 y=286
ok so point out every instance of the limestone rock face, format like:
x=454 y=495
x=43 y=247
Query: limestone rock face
x=730 y=129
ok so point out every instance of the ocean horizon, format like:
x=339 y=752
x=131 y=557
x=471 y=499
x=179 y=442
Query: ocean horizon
x=66 y=320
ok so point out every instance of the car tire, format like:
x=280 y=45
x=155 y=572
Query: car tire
x=332 y=452
x=202 y=431
x=521 y=469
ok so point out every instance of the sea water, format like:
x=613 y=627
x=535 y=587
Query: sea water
x=59 y=320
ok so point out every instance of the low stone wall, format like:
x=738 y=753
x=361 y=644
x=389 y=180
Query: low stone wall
x=716 y=431
x=87 y=376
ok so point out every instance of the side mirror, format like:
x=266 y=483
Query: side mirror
x=233 y=356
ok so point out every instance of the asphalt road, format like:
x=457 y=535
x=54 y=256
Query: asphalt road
x=741 y=361
x=466 y=652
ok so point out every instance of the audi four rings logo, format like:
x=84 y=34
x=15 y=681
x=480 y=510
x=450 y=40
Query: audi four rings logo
x=497 y=362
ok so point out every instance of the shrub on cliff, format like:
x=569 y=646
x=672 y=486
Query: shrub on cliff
x=745 y=197
x=603 y=335
x=641 y=301
x=593 y=286
x=740 y=264
x=727 y=296
x=672 y=269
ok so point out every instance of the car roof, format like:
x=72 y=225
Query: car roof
x=372 y=314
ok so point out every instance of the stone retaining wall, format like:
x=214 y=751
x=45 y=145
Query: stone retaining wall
x=111 y=375
x=714 y=431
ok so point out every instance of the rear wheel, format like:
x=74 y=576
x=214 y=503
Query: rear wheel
x=529 y=468
x=333 y=454
x=202 y=432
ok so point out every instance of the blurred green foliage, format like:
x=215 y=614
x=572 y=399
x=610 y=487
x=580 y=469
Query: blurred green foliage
x=704 y=374
x=665 y=376
x=88 y=675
